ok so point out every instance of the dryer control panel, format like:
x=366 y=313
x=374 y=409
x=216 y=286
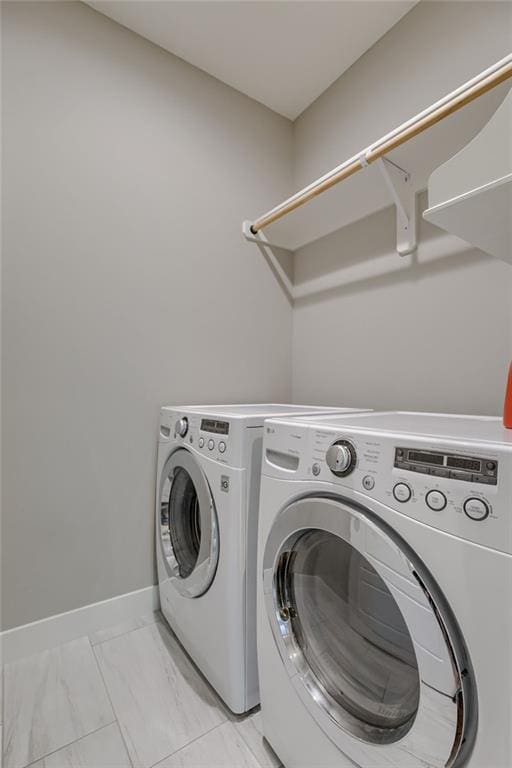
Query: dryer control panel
x=460 y=487
x=471 y=469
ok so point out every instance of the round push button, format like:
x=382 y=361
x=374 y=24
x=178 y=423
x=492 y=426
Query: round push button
x=368 y=482
x=222 y=446
x=476 y=509
x=436 y=500
x=211 y=444
x=315 y=469
x=402 y=492
x=201 y=442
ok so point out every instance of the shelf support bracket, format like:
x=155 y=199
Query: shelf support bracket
x=266 y=247
x=259 y=238
x=400 y=186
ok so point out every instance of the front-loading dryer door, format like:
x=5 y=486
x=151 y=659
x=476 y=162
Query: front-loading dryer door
x=363 y=640
x=187 y=524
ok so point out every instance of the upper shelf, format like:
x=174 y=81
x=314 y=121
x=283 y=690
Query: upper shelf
x=366 y=192
x=471 y=194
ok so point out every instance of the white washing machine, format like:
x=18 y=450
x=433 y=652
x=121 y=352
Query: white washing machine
x=209 y=462
x=384 y=591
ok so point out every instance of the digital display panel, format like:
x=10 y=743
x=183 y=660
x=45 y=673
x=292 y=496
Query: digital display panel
x=426 y=458
x=217 y=427
x=459 y=462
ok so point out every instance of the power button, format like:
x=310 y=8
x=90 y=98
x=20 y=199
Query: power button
x=368 y=482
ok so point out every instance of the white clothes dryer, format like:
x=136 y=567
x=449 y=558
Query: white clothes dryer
x=384 y=591
x=208 y=477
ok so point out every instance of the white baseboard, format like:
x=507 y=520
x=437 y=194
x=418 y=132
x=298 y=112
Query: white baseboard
x=48 y=633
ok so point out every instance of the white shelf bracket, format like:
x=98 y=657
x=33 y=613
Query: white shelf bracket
x=258 y=237
x=266 y=248
x=249 y=234
x=400 y=186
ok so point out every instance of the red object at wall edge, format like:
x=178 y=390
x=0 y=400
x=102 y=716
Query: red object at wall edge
x=507 y=407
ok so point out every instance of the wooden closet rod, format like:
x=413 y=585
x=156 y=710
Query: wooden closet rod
x=454 y=101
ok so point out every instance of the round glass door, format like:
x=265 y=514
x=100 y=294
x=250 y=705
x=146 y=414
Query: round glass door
x=369 y=649
x=181 y=518
x=351 y=634
x=188 y=525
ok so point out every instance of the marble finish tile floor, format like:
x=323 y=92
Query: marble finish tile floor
x=101 y=748
x=124 y=627
x=250 y=728
x=126 y=697
x=160 y=700
x=52 y=699
x=222 y=746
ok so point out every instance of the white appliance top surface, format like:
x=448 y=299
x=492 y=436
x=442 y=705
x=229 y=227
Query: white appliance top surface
x=452 y=426
x=264 y=410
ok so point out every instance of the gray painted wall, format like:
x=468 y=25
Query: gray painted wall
x=126 y=284
x=435 y=335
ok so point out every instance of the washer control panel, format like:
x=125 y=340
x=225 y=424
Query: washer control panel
x=213 y=437
x=471 y=469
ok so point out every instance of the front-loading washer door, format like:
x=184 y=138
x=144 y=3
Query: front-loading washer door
x=187 y=524
x=363 y=641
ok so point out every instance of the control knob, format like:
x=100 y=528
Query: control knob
x=341 y=458
x=181 y=427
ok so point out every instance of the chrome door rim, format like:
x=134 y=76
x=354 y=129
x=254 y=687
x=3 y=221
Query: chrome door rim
x=203 y=573
x=428 y=741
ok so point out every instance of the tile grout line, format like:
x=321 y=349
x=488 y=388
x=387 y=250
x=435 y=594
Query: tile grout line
x=251 y=750
x=185 y=746
x=123 y=634
x=222 y=706
x=69 y=744
x=225 y=712
x=109 y=698
x=128 y=631
x=255 y=711
x=211 y=730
